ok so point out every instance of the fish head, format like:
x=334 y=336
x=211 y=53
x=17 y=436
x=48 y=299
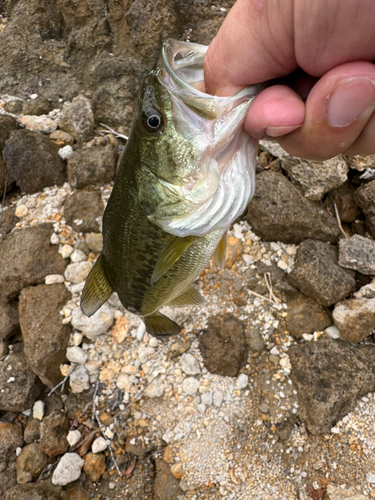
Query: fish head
x=196 y=170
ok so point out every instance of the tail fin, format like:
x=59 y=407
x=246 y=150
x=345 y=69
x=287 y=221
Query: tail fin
x=97 y=289
x=160 y=326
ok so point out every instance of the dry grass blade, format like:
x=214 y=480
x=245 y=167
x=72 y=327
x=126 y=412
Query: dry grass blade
x=339 y=220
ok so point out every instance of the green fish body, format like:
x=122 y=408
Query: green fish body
x=169 y=208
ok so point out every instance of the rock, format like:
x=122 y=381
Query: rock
x=8 y=479
x=53 y=279
x=255 y=340
x=189 y=364
x=38 y=106
x=45 y=337
x=75 y=491
x=366 y=292
x=94 y=466
x=68 y=469
x=65 y=152
x=73 y=437
x=242 y=381
x=27 y=152
x=38 y=410
x=77 y=272
x=77 y=119
x=223 y=345
x=10 y=439
x=30 y=463
x=92 y=165
x=317 y=274
x=82 y=210
x=53 y=432
x=76 y=355
x=365 y=196
x=42 y=490
x=190 y=386
x=21 y=266
x=345 y=200
x=98 y=323
x=9 y=216
x=99 y=444
x=13 y=106
x=329 y=377
x=355 y=319
x=78 y=256
x=95 y=242
x=166 y=485
x=19 y=385
x=32 y=431
x=279 y=278
x=279 y=212
x=61 y=138
x=361 y=162
x=123 y=382
x=79 y=379
x=358 y=253
x=316 y=178
x=155 y=389
x=234 y=250
x=9 y=319
x=7 y=125
x=41 y=123
x=306 y=316
x=207 y=398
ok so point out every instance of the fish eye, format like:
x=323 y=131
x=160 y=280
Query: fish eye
x=152 y=120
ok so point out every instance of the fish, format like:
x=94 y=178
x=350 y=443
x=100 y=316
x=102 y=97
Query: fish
x=187 y=172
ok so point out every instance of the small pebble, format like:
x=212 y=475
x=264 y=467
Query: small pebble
x=73 y=437
x=52 y=279
x=79 y=379
x=77 y=338
x=242 y=381
x=55 y=240
x=108 y=433
x=21 y=211
x=207 y=398
x=38 y=410
x=76 y=355
x=99 y=444
x=66 y=251
x=123 y=382
x=370 y=477
x=218 y=398
x=190 y=385
x=65 y=152
x=78 y=256
x=78 y=271
x=189 y=364
x=155 y=389
x=68 y=469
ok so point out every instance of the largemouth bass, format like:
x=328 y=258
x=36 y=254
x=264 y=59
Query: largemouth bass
x=186 y=174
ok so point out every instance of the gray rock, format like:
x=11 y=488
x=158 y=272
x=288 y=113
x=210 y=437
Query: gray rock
x=30 y=463
x=42 y=490
x=190 y=386
x=68 y=469
x=26 y=257
x=189 y=364
x=317 y=274
x=78 y=271
x=9 y=320
x=19 y=385
x=10 y=439
x=77 y=119
x=166 y=485
x=82 y=209
x=7 y=125
x=98 y=323
x=365 y=195
x=92 y=165
x=345 y=200
x=366 y=292
x=79 y=379
x=279 y=212
x=26 y=153
x=53 y=431
x=38 y=106
x=357 y=253
x=255 y=340
x=316 y=178
x=223 y=345
x=45 y=337
x=306 y=316
x=355 y=319
x=13 y=106
x=329 y=377
x=76 y=355
x=41 y=123
x=95 y=242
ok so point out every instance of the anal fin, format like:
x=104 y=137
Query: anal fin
x=160 y=326
x=190 y=297
x=220 y=252
x=97 y=289
x=172 y=253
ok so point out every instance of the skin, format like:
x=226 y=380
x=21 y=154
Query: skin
x=321 y=52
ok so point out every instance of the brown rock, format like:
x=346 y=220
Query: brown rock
x=54 y=430
x=166 y=485
x=77 y=119
x=345 y=200
x=32 y=431
x=10 y=439
x=85 y=206
x=75 y=491
x=94 y=466
x=365 y=196
x=9 y=216
x=177 y=471
x=43 y=490
x=9 y=320
x=61 y=138
x=306 y=316
x=355 y=318
x=30 y=463
x=8 y=479
x=7 y=125
x=92 y=165
x=223 y=345
x=234 y=250
x=45 y=337
x=38 y=106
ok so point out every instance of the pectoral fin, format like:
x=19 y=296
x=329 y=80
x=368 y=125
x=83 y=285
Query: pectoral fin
x=171 y=255
x=220 y=252
x=159 y=325
x=190 y=297
x=97 y=289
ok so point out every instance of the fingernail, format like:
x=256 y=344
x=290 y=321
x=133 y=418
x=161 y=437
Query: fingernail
x=280 y=131
x=350 y=99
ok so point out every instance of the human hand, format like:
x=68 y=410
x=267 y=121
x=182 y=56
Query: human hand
x=323 y=50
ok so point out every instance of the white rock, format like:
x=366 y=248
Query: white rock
x=55 y=240
x=97 y=324
x=77 y=272
x=242 y=381
x=100 y=444
x=78 y=256
x=282 y=265
x=206 y=398
x=333 y=332
x=66 y=251
x=21 y=211
x=189 y=364
x=76 y=355
x=79 y=379
x=68 y=469
x=370 y=477
x=141 y=330
x=108 y=433
x=190 y=385
x=65 y=152
x=153 y=342
x=73 y=437
x=38 y=410
x=248 y=259
x=52 y=279
x=218 y=398
x=155 y=389
x=40 y=123
x=123 y=382
x=77 y=338
x=144 y=353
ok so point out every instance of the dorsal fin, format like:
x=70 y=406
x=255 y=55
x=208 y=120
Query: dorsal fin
x=159 y=325
x=170 y=255
x=97 y=289
x=190 y=297
x=220 y=252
